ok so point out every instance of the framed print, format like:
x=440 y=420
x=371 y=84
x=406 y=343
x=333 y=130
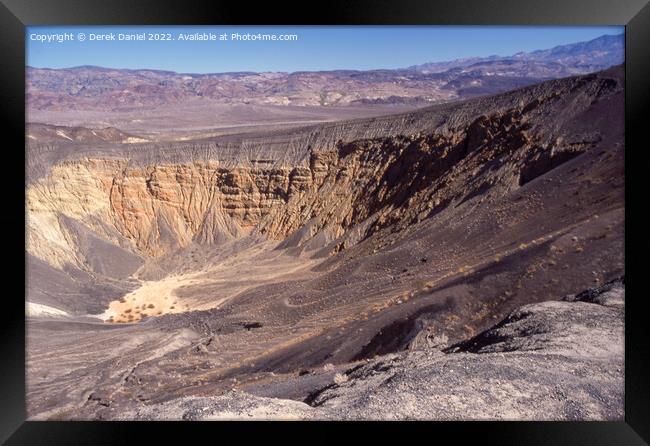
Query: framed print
x=403 y=212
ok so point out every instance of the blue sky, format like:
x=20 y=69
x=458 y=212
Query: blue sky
x=317 y=48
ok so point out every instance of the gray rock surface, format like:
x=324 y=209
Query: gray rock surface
x=233 y=405
x=554 y=360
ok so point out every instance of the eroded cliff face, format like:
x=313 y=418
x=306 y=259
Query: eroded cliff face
x=343 y=197
x=152 y=210
x=375 y=184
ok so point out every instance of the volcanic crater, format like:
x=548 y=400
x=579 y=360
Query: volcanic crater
x=246 y=261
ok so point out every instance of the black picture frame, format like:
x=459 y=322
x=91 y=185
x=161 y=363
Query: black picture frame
x=16 y=14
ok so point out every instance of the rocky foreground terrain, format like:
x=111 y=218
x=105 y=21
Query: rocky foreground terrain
x=336 y=270
x=554 y=360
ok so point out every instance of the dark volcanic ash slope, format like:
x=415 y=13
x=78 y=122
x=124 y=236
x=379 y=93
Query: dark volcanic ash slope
x=365 y=237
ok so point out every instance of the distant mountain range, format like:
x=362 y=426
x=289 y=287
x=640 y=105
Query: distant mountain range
x=565 y=60
x=97 y=88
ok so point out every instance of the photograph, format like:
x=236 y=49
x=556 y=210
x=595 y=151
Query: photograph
x=325 y=222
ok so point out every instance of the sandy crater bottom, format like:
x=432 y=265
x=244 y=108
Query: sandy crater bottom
x=209 y=287
x=153 y=298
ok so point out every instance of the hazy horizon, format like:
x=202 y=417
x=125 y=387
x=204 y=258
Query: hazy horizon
x=317 y=48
